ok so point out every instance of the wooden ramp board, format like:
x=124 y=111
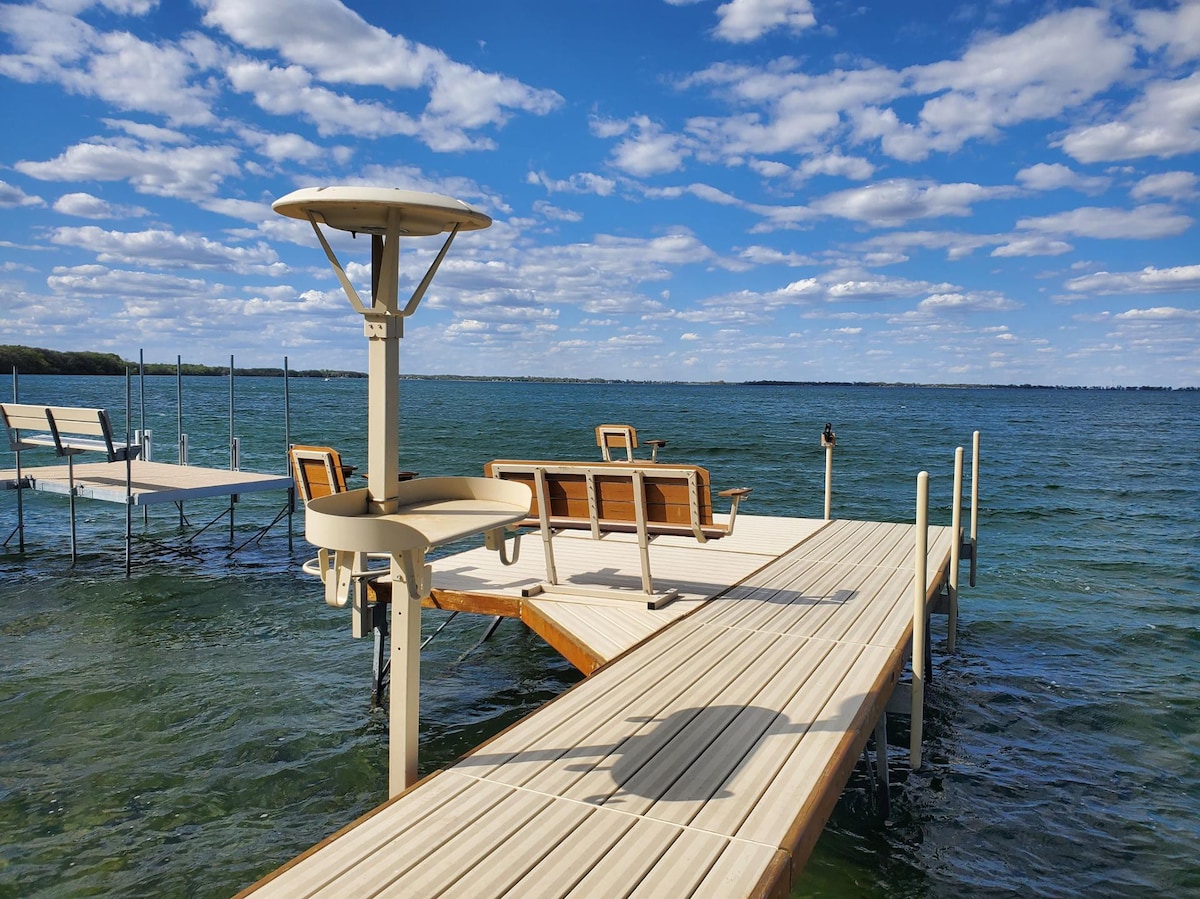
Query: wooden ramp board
x=704 y=762
x=152 y=482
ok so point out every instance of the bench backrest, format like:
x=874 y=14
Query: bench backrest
x=317 y=471
x=616 y=437
x=677 y=498
x=59 y=426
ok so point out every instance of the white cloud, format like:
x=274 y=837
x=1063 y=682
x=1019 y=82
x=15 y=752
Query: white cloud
x=287 y=146
x=1045 y=176
x=579 y=183
x=184 y=172
x=550 y=211
x=303 y=32
x=1032 y=246
x=1140 y=223
x=85 y=205
x=1179 y=279
x=977 y=301
x=1163 y=122
x=160 y=248
x=1160 y=315
x=12 y=196
x=1172 y=185
x=650 y=151
x=1177 y=31
x=117 y=67
x=895 y=202
x=742 y=21
x=106 y=283
x=1036 y=72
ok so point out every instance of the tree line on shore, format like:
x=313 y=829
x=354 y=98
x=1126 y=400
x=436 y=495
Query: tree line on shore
x=37 y=361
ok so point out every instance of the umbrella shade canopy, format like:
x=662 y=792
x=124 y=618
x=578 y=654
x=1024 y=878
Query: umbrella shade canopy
x=364 y=210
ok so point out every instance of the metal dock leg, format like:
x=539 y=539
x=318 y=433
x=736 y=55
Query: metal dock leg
x=882 y=783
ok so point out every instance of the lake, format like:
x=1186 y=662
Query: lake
x=187 y=730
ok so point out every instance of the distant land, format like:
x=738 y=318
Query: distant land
x=37 y=361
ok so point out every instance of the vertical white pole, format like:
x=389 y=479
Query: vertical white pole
x=20 y=477
x=974 y=503
x=384 y=328
x=919 y=619
x=404 y=694
x=955 y=551
x=828 y=480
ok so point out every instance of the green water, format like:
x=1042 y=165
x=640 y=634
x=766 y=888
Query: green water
x=185 y=731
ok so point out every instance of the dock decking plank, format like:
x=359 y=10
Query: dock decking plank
x=702 y=762
x=437 y=871
x=625 y=713
x=650 y=727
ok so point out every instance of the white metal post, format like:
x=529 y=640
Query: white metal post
x=955 y=552
x=829 y=441
x=919 y=621
x=974 y=503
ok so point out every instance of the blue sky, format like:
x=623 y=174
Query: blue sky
x=681 y=189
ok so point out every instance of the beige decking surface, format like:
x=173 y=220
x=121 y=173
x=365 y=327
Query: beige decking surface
x=152 y=482
x=704 y=762
x=603 y=628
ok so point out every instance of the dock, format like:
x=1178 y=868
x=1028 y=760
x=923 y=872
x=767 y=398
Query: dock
x=706 y=749
x=141 y=483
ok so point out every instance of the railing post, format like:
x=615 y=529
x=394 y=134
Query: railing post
x=974 y=503
x=955 y=552
x=919 y=621
x=829 y=441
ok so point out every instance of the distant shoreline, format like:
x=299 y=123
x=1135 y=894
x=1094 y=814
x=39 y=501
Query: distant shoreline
x=37 y=361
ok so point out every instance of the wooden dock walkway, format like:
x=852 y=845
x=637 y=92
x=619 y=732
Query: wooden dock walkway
x=703 y=761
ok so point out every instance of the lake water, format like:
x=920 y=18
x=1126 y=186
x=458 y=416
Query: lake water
x=183 y=732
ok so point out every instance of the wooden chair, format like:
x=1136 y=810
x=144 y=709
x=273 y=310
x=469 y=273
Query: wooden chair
x=623 y=437
x=318 y=471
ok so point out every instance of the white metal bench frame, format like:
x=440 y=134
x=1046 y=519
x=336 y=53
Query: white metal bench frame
x=543 y=474
x=69 y=431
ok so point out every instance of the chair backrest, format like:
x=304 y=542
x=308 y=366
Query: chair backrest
x=616 y=437
x=317 y=471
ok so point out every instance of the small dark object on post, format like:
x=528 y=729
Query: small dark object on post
x=828 y=438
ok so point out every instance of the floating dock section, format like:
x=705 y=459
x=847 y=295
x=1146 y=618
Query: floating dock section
x=703 y=760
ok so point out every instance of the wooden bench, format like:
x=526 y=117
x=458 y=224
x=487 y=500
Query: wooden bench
x=647 y=499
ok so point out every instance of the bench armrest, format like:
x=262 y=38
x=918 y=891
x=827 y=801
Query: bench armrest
x=736 y=494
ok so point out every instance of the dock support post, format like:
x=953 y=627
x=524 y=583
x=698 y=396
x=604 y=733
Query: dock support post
x=182 y=437
x=955 y=552
x=20 y=477
x=287 y=445
x=920 y=619
x=129 y=468
x=380 y=613
x=882 y=782
x=405 y=689
x=974 y=503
